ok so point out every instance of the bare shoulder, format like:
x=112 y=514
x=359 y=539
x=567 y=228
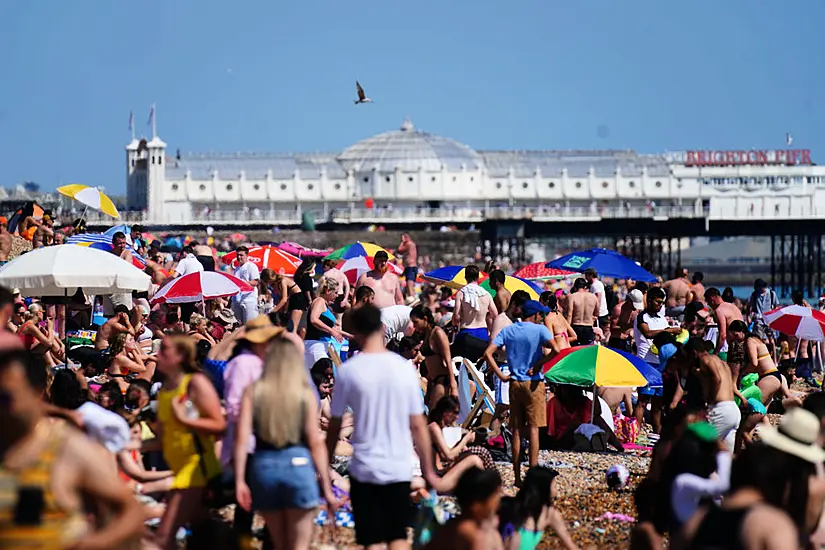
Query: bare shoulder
x=768 y=527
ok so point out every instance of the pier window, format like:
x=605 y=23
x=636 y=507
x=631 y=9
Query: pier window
x=310 y=186
x=202 y=187
x=256 y=187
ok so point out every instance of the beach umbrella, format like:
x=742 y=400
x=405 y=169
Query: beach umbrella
x=101 y=241
x=606 y=262
x=30 y=208
x=355 y=267
x=600 y=365
x=200 y=286
x=357 y=249
x=540 y=272
x=60 y=270
x=91 y=197
x=803 y=322
x=267 y=257
x=302 y=251
x=513 y=284
x=451 y=276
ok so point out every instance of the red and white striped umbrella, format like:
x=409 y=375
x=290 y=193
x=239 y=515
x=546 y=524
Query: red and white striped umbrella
x=800 y=321
x=268 y=257
x=200 y=286
x=354 y=267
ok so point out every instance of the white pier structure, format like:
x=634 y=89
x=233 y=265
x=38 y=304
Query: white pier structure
x=408 y=175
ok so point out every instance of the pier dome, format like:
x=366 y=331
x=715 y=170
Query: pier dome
x=409 y=149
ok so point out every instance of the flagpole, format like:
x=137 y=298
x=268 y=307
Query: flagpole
x=132 y=123
x=154 y=121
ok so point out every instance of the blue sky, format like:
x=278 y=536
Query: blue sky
x=263 y=75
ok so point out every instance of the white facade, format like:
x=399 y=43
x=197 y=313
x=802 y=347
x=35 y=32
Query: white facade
x=410 y=169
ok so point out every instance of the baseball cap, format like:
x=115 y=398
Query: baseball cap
x=636 y=297
x=531 y=307
x=261 y=330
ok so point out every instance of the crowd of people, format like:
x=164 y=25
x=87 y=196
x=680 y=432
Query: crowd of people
x=311 y=389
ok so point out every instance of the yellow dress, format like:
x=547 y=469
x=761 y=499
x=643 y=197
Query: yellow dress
x=179 y=449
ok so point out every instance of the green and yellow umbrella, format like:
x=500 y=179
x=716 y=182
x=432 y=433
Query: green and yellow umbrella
x=513 y=284
x=600 y=365
x=355 y=250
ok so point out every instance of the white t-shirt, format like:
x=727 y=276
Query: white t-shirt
x=395 y=319
x=657 y=322
x=189 y=264
x=247 y=272
x=597 y=287
x=383 y=392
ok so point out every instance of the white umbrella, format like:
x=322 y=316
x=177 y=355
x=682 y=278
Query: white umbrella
x=61 y=270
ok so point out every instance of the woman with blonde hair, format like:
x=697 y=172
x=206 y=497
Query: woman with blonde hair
x=322 y=326
x=281 y=412
x=189 y=419
x=39 y=341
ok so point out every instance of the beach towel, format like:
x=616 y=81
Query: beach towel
x=471 y=295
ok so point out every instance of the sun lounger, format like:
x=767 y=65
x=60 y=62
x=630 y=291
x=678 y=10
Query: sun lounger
x=482 y=398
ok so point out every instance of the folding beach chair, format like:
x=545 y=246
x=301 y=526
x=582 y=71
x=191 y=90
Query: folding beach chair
x=481 y=399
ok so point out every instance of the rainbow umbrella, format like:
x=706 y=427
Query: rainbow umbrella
x=451 y=276
x=513 y=284
x=356 y=250
x=599 y=365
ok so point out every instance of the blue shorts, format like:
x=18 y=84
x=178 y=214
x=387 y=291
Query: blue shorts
x=410 y=273
x=283 y=478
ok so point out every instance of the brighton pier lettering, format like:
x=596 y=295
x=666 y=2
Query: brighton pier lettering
x=787 y=157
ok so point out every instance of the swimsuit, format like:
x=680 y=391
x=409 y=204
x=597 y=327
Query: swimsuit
x=774 y=372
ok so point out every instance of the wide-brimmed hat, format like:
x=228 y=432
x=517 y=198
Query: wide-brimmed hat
x=226 y=316
x=261 y=330
x=796 y=435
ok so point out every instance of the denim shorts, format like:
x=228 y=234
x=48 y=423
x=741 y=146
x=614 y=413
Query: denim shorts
x=283 y=478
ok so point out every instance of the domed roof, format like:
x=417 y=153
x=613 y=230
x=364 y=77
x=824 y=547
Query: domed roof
x=409 y=149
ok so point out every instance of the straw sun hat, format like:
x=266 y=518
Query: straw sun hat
x=796 y=435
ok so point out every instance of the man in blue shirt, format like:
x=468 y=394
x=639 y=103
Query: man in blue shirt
x=524 y=342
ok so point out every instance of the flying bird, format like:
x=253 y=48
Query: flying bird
x=362 y=97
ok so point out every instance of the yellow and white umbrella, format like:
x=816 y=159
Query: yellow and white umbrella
x=91 y=197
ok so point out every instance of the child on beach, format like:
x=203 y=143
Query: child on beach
x=525 y=517
x=479 y=495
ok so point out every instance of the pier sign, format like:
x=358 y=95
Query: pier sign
x=784 y=157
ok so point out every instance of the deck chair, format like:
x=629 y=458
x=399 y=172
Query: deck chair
x=481 y=399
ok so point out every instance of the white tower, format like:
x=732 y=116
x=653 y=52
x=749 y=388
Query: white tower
x=155 y=178
x=135 y=174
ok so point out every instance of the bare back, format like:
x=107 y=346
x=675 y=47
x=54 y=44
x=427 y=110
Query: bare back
x=582 y=306
x=698 y=290
x=470 y=317
x=677 y=291
x=5 y=246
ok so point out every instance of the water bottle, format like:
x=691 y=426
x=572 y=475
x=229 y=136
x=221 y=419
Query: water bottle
x=191 y=411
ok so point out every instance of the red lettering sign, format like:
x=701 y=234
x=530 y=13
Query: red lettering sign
x=787 y=157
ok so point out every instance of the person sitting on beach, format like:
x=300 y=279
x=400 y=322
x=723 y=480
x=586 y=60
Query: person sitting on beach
x=452 y=462
x=127 y=358
x=568 y=409
x=112 y=327
x=479 y=495
x=523 y=519
x=199 y=328
x=39 y=341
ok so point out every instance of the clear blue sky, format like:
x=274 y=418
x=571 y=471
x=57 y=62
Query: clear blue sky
x=263 y=75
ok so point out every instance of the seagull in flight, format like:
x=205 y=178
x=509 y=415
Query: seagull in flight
x=362 y=97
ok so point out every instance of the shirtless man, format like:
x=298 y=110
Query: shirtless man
x=614 y=397
x=622 y=318
x=384 y=282
x=51 y=508
x=678 y=294
x=697 y=288
x=717 y=385
x=119 y=247
x=725 y=314
x=114 y=326
x=205 y=255
x=474 y=314
x=5 y=240
x=332 y=272
x=582 y=310
x=502 y=297
x=409 y=250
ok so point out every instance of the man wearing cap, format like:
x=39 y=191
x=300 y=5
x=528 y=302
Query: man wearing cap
x=622 y=320
x=524 y=343
x=5 y=240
